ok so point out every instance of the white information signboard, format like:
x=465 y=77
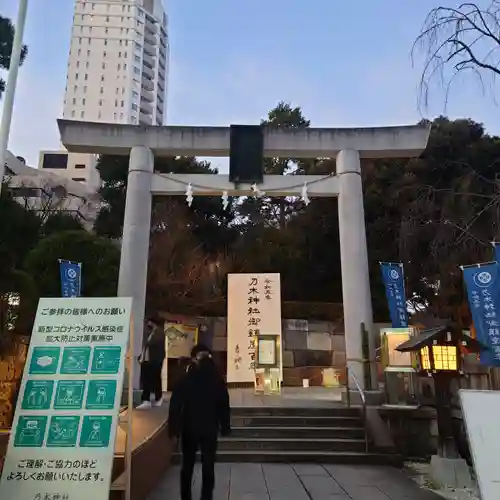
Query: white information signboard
x=481 y=411
x=63 y=435
x=253 y=308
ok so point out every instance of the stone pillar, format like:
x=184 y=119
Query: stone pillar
x=135 y=242
x=354 y=262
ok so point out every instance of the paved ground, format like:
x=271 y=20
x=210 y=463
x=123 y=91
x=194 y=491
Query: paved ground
x=300 y=482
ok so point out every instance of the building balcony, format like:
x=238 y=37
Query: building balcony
x=151 y=27
x=162 y=62
x=148 y=72
x=146 y=58
x=147 y=95
x=148 y=49
x=145 y=119
x=147 y=83
x=161 y=74
x=150 y=39
x=159 y=106
x=146 y=108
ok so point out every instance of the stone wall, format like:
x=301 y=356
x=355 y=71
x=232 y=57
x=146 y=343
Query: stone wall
x=4 y=441
x=11 y=371
x=308 y=347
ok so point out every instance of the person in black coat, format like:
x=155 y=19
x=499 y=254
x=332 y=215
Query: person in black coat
x=151 y=361
x=199 y=411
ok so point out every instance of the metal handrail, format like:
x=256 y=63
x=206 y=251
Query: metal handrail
x=362 y=395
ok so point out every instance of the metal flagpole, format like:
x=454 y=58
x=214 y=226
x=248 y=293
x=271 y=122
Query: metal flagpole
x=8 y=104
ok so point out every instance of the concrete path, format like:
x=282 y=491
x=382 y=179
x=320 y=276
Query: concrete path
x=244 y=481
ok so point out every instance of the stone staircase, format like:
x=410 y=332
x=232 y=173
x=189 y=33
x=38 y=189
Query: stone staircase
x=298 y=435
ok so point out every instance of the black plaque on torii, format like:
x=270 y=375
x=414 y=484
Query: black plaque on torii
x=246 y=154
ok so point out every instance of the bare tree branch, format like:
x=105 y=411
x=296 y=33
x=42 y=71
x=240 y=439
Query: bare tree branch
x=458 y=40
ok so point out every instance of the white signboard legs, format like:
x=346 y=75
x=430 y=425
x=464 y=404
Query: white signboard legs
x=63 y=435
x=481 y=411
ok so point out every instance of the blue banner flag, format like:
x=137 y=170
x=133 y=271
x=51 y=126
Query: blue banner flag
x=496 y=247
x=71 y=278
x=393 y=276
x=483 y=290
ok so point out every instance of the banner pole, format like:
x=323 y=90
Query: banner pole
x=478 y=265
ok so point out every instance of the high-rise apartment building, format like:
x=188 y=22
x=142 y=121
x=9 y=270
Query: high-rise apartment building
x=118 y=62
x=117 y=73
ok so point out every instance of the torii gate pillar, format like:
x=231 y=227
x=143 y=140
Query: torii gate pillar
x=132 y=279
x=356 y=295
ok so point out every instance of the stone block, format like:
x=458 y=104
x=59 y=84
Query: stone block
x=319 y=341
x=220 y=327
x=312 y=358
x=294 y=339
x=320 y=326
x=288 y=359
x=292 y=377
x=338 y=342
x=295 y=324
x=219 y=344
x=450 y=472
x=338 y=358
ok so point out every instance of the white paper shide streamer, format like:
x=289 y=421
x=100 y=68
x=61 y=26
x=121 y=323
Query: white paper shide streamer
x=305 y=197
x=225 y=200
x=189 y=195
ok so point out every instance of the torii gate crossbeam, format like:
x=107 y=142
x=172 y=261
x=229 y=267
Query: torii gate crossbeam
x=348 y=146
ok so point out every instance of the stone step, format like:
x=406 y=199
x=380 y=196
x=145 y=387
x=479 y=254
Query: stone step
x=277 y=445
x=301 y=457
x=296 y=421
x=336 y=411
x=298 y=432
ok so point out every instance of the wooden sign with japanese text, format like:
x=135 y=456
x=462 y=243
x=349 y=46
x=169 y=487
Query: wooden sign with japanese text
x=63 y=435
x=253 y=308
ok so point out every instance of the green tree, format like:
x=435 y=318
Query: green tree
x=99 y=256
x=269 y=211
x=61 y=221
x=18 y=302
x=7 y=31
x=19 y=233
x=449 y=202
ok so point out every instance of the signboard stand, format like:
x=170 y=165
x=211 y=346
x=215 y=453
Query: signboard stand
x=399 y=369
x=124 y=482
x=480 y=412
x=130 y=406
x=268 y=364
x=62 y=444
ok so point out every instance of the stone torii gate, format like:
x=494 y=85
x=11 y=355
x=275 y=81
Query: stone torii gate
x=348 y=146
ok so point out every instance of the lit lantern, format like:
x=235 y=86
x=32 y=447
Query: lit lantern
x=438 y=348
x=439 y=356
